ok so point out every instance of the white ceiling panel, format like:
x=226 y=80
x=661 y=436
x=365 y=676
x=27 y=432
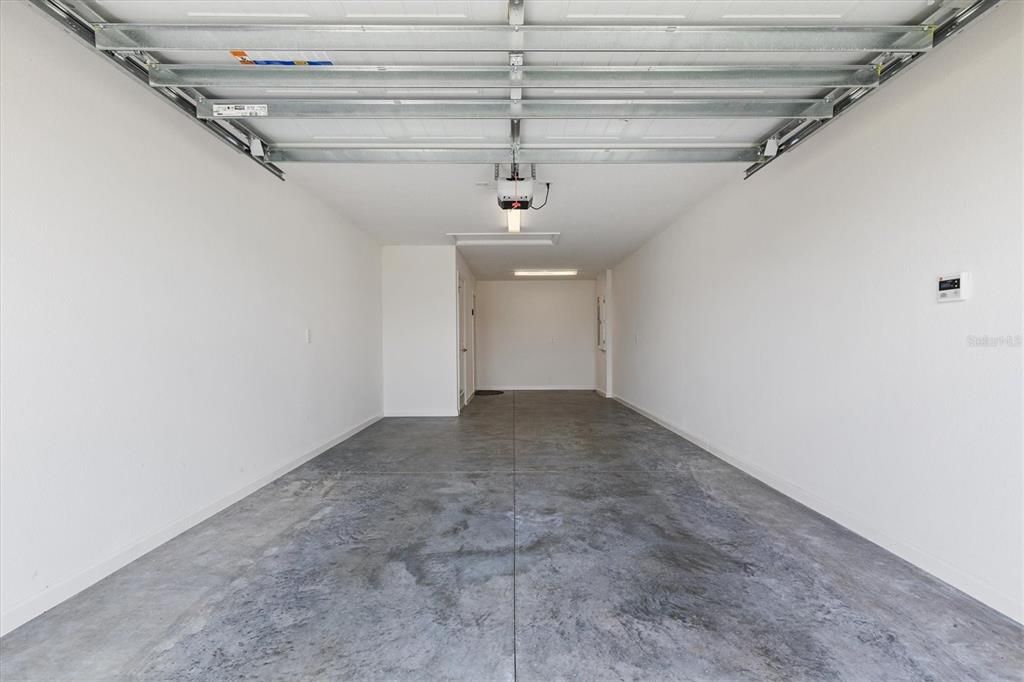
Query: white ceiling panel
x=357 y=93
x=382 y=130
x=692 y=58
x=647 y=131
x=301 y=11
x=603 y=212
x=347 y=58
x=609 y=12
x=495 y=11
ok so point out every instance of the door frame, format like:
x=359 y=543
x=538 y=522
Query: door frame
x=461 y=339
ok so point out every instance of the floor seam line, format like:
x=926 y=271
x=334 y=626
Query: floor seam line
x=515 y=547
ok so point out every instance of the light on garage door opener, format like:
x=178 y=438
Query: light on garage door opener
x=515 y=195
x=515 y=219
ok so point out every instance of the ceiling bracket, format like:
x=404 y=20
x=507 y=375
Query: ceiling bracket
x=256 y=147
x=514 y=126
x=516 y=12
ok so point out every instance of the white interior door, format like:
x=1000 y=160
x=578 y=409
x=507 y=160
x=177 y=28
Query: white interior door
x=471 y=364
x=462 y=343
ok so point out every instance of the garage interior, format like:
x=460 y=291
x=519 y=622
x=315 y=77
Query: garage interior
x=501 y=339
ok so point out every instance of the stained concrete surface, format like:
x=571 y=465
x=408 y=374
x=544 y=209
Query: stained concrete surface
x=540 y=536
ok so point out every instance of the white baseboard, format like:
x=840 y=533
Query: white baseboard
x=537 y=388
x=605 y=395
x=25 y=611
x=421 y=413
x=972 y=585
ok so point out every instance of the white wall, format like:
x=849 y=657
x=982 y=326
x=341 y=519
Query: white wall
x=536 y=335
x=156 y=291
x=603 y=362
x=468 y=320
x=420 y=331
x=789 y=322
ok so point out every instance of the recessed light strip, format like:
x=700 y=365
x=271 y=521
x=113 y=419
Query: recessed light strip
x=546 y=273
x=505 y=238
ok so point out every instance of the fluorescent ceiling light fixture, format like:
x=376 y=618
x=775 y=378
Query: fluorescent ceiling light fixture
x=515 y=219
x=545 y=273
x=505 y=238
x=264 y=15
x=782 y=16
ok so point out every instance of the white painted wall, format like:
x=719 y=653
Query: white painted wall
x=155 y=294
x=789 y=322
x=468 y=321
x=420 y=331
x=603 y=363
x=536 y=335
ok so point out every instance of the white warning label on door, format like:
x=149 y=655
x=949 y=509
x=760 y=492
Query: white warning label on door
x=239 y=110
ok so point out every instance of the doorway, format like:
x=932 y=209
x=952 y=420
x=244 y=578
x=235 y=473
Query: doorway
x=463 y=348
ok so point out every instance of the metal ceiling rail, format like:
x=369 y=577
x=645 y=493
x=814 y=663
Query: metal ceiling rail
x=481 y=155
x=638 y=155
x=232 y=133
x=701 y=76
x=508 y=109
x=525 y=154
x=796 y=132
x=510 y=37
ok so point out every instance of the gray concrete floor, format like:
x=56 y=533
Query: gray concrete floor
x=540 y=536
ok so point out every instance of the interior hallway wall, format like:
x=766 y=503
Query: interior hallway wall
x=536 y=335
x=155 y=292
x=790 y=323
x=420 y=331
